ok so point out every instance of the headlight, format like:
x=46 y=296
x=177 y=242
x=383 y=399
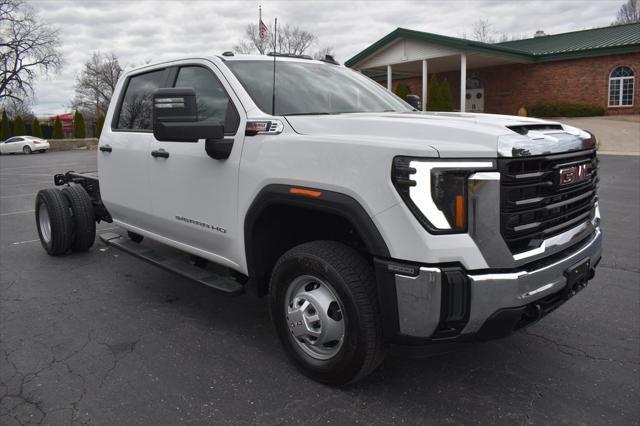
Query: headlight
x=436 y=190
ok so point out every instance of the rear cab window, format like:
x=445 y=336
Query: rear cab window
x=136 y=107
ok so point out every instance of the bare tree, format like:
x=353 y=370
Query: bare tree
x=252 y=43
x=322 y=53
x=27 y=47
x=482 y=31
x=629 y=13
x=15 y=107
x=510 y=37
x=96 y=82
x=292 y=40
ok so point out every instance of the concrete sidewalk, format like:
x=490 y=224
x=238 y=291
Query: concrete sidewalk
x=617 y=134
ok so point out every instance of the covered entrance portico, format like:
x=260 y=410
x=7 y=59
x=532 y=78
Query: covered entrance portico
x=411 y=56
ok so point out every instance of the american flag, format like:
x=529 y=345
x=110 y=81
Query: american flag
x=263 y=30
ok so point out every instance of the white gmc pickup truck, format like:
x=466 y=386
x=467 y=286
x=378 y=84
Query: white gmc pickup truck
x=365 y=222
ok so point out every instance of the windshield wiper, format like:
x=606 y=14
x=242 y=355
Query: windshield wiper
x=307 y=113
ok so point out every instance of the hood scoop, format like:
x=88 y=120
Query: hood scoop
x=523 y=129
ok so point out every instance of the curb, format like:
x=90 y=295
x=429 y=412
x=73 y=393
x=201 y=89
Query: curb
x=628 y=154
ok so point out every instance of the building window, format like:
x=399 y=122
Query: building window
x=621 y=87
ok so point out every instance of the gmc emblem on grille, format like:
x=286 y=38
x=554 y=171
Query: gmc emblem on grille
x=574 y=174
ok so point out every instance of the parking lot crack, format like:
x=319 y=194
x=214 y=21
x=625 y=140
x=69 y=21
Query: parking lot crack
x=572 y=351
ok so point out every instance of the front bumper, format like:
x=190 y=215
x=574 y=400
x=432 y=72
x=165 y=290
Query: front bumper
x=423 y=304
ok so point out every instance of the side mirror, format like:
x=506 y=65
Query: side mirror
x=175 y=117
x=414 y=101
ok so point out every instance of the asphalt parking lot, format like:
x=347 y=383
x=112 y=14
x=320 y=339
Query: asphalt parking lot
x=103 y=338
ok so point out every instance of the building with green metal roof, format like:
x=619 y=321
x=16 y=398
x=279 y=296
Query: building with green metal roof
x=595 y=67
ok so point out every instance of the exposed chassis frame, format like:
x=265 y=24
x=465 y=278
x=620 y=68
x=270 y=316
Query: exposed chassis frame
x=89 y=181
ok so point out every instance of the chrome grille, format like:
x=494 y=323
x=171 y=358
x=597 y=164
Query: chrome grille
x=535 y=206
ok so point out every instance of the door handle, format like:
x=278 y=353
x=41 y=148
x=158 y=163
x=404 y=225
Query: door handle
x=160 y=153
x=106 y=148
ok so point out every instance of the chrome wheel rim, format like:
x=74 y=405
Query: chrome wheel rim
x=44 y=223
x=315 y=317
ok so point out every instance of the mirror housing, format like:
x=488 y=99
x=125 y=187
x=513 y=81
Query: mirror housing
x=414 y=101
x=175 y=117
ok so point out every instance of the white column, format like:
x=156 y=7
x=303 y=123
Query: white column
x=424 y=84
x=389 y=82
x=463 y=81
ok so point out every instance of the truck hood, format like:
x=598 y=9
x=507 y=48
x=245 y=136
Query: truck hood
x=451 y=134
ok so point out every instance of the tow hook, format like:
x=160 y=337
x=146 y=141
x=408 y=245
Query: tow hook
x=533 y=313
x=576 y=288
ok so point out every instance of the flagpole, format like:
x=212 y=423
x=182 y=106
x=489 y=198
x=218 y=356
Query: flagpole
x=275 y=53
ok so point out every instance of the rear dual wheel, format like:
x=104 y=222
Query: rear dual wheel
x=65 y=220
x=53 y=220
x=83 y=217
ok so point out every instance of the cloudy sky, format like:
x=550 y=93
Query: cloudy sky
x=138 y=31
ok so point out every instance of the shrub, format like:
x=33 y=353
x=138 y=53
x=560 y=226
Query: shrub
x=564 y=109
x=19 y=128
x=446 y=98
x=433 y=94
x=5 y=129
x=36 y=130
x=99 y=125
x=402 y=90
x=78 y=126
x=47 y=131
x=57 y=129
x=439 y=97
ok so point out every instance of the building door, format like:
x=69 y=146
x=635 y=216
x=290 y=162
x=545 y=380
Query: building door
x=475 y=95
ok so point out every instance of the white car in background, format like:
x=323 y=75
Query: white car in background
x=24 y=144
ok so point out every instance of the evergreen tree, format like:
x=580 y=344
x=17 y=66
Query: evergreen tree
x=57 y=129
x=78 y=126
x=47 y=131
x=19 y=128
x=99 y=125
x=5 y=129
x=446 y=98
x=36 y=130
x=402 y=90
x=433 y=94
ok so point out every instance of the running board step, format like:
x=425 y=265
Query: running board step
x=178 y=264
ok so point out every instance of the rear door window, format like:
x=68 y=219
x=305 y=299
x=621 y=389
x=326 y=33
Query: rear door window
x=137 y=105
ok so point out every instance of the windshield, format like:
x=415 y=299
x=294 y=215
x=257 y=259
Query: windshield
x=311 y=88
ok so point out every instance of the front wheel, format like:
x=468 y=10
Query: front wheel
x=324 y=306
x=26 y=149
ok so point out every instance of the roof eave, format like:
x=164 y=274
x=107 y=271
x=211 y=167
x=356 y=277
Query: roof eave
x=460 y=44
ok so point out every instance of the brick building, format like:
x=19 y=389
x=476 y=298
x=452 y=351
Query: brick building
x=593 y=67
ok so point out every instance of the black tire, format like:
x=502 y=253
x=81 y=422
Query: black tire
x=136 y=238
x=56 y=238
x=352 y=279
x=26 y=150
x=84 y=222
x=42 y=151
